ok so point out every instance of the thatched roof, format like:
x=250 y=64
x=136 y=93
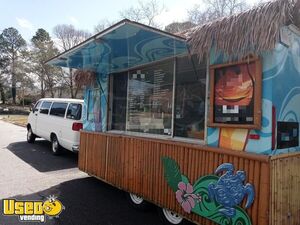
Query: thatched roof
x=252 y=31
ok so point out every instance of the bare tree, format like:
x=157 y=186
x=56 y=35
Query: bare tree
x=25 y=82
x=213 y=9
x=69 y=37
x=43 y=48
x=102 y=25
x=145 y=12
x=297 y=12
x=177 y=27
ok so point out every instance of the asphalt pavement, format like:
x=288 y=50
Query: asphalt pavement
x=31 y=172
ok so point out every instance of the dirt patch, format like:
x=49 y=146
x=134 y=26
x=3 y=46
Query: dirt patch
x=20 y=120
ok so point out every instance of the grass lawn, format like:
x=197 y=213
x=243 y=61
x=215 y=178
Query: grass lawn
x=20 y=120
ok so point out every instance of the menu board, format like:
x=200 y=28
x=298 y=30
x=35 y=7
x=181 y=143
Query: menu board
x=150 y=100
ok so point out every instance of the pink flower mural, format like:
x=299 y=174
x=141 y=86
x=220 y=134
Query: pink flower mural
x=185 y=196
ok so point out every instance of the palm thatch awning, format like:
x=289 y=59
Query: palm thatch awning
x=250 y=32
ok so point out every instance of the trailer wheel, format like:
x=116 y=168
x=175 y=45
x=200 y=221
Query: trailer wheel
x=170 y=218
x=137 y=201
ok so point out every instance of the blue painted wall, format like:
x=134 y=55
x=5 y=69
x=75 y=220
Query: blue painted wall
x=101 y=86
x=280 y=87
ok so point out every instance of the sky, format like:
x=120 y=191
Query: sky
x=29 y=15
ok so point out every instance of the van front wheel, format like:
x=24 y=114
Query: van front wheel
x=30 y=136
x=56 y=148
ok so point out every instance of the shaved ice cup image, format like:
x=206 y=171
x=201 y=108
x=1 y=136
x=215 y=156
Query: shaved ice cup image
x=235 y=86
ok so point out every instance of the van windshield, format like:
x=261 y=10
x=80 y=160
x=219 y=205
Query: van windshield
x=37 y=106
x=74 y=111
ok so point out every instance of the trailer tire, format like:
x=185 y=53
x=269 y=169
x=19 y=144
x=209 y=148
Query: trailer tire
x=137 y=202
x=170 y=218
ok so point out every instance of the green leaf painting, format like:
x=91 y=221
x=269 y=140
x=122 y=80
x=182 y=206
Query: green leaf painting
x=171 y=172
x=195 y=198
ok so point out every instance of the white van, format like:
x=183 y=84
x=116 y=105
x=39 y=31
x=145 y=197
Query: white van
x=57 y=120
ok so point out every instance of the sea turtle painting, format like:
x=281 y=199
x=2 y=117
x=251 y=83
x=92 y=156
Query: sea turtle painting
x=229 y=191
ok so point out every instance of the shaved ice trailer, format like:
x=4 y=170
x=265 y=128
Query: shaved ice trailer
x=205 y=125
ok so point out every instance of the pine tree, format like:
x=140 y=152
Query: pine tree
x=12 y=44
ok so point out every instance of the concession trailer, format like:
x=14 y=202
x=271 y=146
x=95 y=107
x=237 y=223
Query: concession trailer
x=204 y=123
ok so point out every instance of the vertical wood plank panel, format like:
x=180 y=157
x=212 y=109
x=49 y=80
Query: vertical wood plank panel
x=285 y=187
x=134 y=164
x=82 y=155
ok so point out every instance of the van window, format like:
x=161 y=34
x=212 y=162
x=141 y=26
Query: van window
x=45 y=107
x=74 y=111
x=58 y=109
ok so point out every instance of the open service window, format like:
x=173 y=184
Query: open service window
x=118 y=101
x=190 y=94
x=165 y=98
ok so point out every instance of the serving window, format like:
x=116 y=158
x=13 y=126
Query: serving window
x=190 y=98
x=166 y=98
x=118 y=101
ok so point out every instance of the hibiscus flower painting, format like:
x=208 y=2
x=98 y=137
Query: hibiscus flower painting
x=186 y=197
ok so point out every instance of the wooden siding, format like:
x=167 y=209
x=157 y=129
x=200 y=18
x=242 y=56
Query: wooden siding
x=285 y=190
x=134 y=165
